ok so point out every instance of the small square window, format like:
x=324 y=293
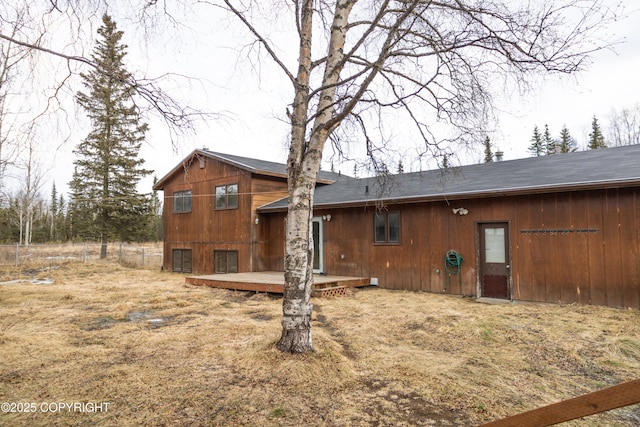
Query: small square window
x=386 y=227
x=182 y=201
x=181 y=260
x=226 y=196
x=225 y=261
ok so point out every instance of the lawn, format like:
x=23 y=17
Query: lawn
x=109 y=345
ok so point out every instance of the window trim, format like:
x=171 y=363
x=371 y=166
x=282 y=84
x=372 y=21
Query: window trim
x=173 y=260
x=386 y=240
x=226 y=252
x=226 y=197
x=181 y=195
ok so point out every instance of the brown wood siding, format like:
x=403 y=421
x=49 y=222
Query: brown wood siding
x=206 y=229
x=565 y=248
x=264 y=190
x=596 y=259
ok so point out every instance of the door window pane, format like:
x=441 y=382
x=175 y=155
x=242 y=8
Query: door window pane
x=494 y=245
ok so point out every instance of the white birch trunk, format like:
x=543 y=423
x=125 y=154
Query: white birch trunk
x=305 y=158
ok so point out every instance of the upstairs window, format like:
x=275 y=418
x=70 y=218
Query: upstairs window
x=386 y=227
x=182 y=201
x=227 y=196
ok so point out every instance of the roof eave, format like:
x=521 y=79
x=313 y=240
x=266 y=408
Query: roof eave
x=593 y=185
x=160 y=184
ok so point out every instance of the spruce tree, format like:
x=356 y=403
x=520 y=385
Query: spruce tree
x=596 y=138
x=566 y=144
x=488 y=154
x=107 y=170
x=548 y=142
x=536 y=148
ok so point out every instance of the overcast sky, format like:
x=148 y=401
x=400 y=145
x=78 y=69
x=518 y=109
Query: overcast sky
x=252 y=103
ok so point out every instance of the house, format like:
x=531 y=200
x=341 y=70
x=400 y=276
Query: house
x=560 y=229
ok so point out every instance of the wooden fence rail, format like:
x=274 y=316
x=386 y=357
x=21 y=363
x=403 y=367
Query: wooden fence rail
x=588 y=404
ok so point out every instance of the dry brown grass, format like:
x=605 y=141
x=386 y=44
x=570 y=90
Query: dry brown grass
x=382 y=357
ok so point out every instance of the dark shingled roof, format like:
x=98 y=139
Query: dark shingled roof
x=261 y=167
x=604 y=168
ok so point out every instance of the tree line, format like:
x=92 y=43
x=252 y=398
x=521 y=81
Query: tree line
x=624 y=129
x=46 y=220
x=104 y=202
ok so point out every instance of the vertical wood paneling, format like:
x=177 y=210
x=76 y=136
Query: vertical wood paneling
x=522 y=256
x=628 y=250
x=579 y=250
x=437 y=246
x=596 y=242
x=563 y=243
x=538 y=268
x=613 y=252
x=552 y=253
x=631 y=243
x=206 y=229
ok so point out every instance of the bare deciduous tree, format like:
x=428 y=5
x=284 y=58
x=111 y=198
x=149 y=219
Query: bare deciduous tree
x=624 y=126
x=29 y=191
x=433 y=61
x=12 y=57
x=73 y=19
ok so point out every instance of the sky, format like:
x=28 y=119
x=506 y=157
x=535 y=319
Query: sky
x=249 y=103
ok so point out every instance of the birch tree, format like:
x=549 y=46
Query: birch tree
x=429 y=61
x=13 y=136
x=29 y=192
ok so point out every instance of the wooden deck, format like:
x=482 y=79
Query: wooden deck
x=273 y=282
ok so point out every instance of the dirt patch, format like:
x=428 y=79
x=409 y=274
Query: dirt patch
x=161 y=352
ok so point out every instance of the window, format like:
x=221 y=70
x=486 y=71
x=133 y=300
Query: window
x=386 y=227
x=227 y=196
x=182 y=201
x=225 y=261
x=182 y=260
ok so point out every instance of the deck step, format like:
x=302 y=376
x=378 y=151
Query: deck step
x=333 y=291
x=317 y=286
